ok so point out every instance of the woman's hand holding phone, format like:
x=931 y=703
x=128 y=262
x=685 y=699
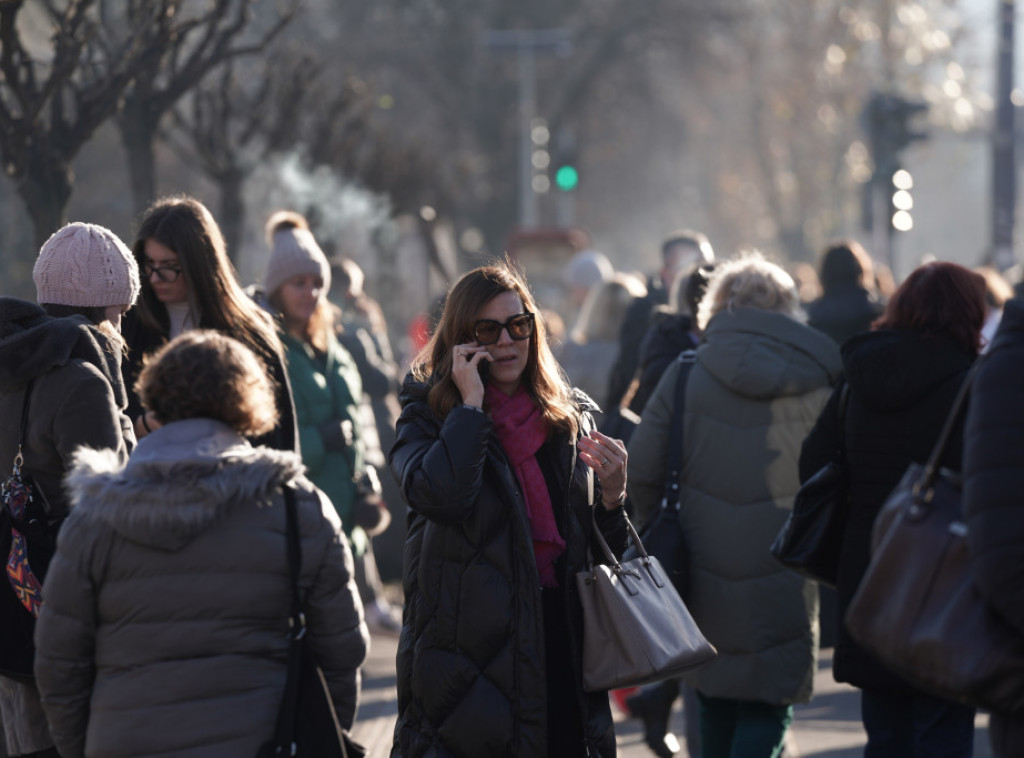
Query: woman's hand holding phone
x=470 y=364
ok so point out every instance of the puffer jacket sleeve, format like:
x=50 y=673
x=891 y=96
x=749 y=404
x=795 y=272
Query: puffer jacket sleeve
x=648 y=448
x=440 y=472
x=65 y=638
x=334 y=612
x=994 y=471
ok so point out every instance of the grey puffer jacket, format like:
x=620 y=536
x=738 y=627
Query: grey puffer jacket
x=165 y=627
x=757 y=388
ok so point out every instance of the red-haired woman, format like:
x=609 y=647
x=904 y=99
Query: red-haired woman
x=495 y=474
x=903 y=376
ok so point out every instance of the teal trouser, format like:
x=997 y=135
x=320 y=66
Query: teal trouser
x=742 y=728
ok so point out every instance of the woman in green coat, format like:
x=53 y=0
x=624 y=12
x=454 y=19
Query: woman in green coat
x=325 y=382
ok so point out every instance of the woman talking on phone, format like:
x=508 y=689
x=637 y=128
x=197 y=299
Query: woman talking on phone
x=493 y=455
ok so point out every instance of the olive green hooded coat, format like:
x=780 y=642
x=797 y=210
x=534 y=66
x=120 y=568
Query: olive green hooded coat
x=759 y=383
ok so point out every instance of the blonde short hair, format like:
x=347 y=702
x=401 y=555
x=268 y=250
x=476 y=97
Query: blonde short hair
x=750 y=281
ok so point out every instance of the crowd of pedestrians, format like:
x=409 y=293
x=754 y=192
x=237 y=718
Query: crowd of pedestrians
x=165 y=417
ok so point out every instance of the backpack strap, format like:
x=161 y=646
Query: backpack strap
x=670 y=492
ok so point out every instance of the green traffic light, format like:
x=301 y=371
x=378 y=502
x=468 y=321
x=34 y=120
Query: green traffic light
x=566 y=178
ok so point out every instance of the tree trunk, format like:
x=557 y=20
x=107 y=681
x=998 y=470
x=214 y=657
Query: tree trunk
x=232 y=211
x=46 y=189
x=138 y=134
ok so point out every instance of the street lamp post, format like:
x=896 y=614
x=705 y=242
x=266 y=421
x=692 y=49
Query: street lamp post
x=1004 y=158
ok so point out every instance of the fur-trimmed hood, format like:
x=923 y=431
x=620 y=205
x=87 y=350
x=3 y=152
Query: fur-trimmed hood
x=180 y=480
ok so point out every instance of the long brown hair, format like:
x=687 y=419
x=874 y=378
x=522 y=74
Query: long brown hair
x=185 y=226
x=542 y=378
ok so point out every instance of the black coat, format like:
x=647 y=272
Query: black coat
x=471 y=657
x=634 y=326
x=843 y=311
x=667 y=337
x=902 y=385
x=993 y=481
x=142 y=341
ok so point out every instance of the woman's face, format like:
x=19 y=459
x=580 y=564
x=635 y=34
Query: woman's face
x=299 y=297
x=161 y=268
x=510 y=356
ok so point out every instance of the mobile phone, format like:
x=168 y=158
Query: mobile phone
x=484 y=367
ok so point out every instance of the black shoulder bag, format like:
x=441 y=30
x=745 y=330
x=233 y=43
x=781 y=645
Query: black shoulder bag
x=27 y=542
x=307 y=725
x=809 y=542
x=662 y=535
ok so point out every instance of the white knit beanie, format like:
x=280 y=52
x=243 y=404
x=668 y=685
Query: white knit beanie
x=85 y=265
x=294 y=251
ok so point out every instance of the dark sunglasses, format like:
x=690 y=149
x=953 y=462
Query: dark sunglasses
x=165 y=274
x=487 y=331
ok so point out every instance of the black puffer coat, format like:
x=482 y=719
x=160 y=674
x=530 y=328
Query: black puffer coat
x=471 y=658
x=843 y=311
x=667 y=337
x=902 y=385
x=993 y=481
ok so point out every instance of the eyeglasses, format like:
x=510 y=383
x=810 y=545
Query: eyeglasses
x=165 y=274
x=488 y=331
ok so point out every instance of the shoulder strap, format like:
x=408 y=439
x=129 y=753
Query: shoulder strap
x=670 y=493
x=923 y=487
x=284 y=733
x=844 y=402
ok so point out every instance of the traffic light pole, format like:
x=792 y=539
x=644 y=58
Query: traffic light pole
x=527 y=43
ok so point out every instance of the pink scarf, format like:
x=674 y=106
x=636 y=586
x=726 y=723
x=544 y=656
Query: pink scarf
x=521 y=430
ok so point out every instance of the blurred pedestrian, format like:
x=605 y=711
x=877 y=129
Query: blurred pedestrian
x=997 y=292
x=587 y=356
x=993 y=481
x=60 y=389
x=326 y=386
x=903 y=377
x=849 y=302
x=760 y=379
x=493 y=464
x=188 y=282
x=679 y=251
x=584 y=271
x=166 y=624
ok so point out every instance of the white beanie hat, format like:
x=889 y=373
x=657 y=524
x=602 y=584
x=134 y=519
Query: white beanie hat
x=586 y=268
x=294 y=251
x=85 y=265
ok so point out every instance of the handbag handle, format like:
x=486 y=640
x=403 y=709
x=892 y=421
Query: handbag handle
x=19 y=459
x=924 y=489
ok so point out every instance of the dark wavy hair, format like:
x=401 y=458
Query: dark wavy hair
x=205 y=374
x=542 y=377
x=942 y=299
x=185 y=226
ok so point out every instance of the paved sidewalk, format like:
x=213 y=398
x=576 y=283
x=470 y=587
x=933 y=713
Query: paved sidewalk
x=829 y=726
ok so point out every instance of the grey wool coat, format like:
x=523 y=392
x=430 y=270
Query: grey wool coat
x=759 y=383
x=165 y=626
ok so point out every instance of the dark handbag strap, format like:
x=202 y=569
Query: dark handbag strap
x=285 y=730
x=924 y=490
x=670 y=492
x=844 y=401
x=19 y=460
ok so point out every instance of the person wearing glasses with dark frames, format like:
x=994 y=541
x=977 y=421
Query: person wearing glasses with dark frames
x=493 y=455
x=188 y=283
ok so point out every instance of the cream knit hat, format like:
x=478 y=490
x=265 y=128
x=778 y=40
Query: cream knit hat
x=85 y=265
x=294 y=251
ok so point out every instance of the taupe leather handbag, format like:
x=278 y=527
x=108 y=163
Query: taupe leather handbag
x=636 y=628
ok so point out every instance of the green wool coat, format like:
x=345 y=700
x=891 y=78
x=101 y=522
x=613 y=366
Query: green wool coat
x=325 y=389
x=758 y=385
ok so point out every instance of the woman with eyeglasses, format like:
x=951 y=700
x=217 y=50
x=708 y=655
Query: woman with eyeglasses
x=493 y=455
x=188 y=282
